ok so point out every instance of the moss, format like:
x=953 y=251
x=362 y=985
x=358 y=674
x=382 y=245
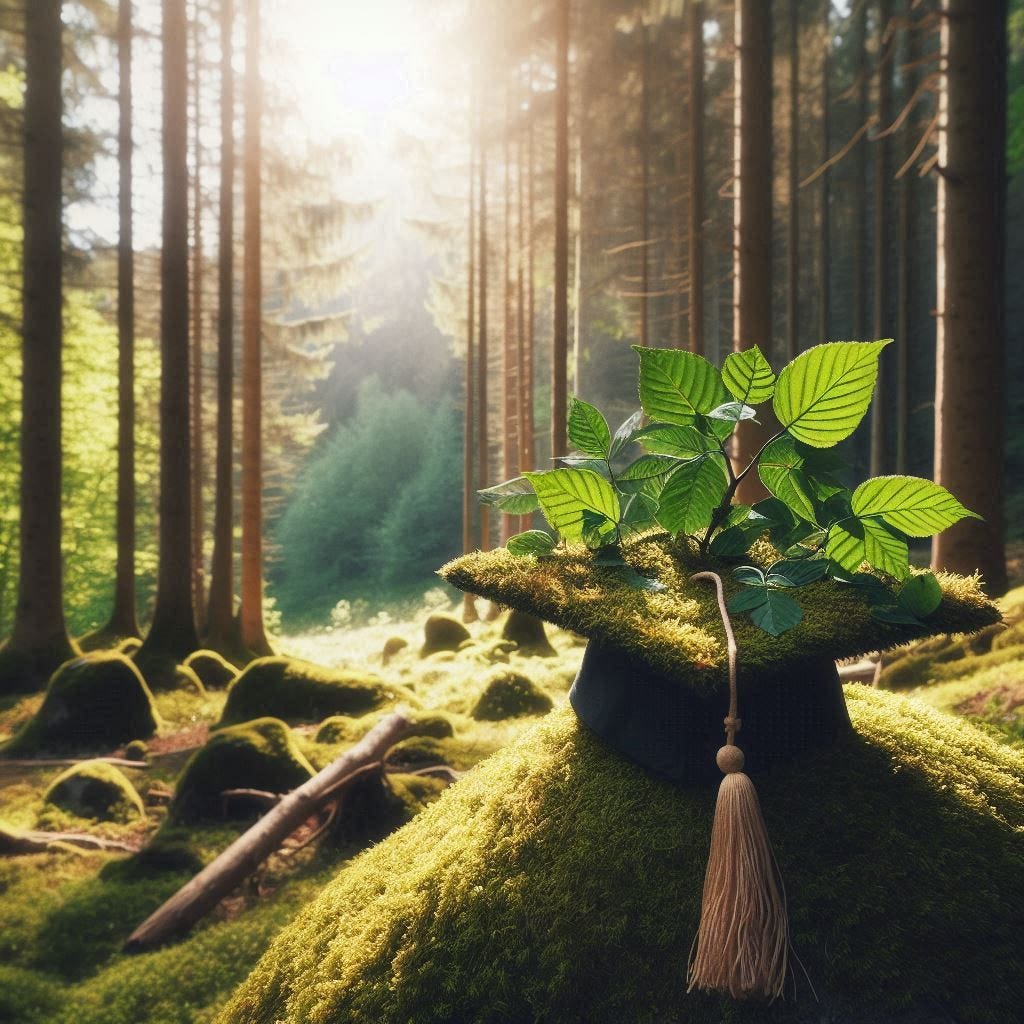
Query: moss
x=375 y=805
x=137 y=751
x=418 y=752
x=106 y=639
x=392 y=646
x=297 y=691
x=129 y=645
x=96 y=702
x=527 y=633
x=256 y=755
x=345 y=729
x=678 y=631
x=24 y=671
x=164 y=672
x=558 y=882
x=95 y=790
x=442 y=633
x=214 y=671
x=921 y=669
x=510 y=695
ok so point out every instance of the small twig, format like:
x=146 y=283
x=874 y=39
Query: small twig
x=57 y=762
x=836 y=157
x=918 y=149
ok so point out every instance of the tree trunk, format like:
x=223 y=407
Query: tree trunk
x=793 y=188
x=528 y=355
x=881 y=325
x=696 y=162
x=469 y=612
x=524 y=397
x=222 y=628
x=645 y=184
x=825 y=213
x=39 y=640
x=509 y=354
x=173 y=632
x=482 y=432
x=752 y=211
x=971 y=333
x=560 y=338
x=123 y=620
x=254 y=637
x=860 y=177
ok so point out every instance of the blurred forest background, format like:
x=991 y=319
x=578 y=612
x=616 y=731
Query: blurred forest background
x=552 y=182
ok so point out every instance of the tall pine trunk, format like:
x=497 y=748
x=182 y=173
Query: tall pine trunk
x=560 y=339
x=860 y=177
x=645 y=183
x=39 y=640
x=172 y=636
x=695 y=209
x=469 y=612
x=825 y=212
x=752 y=210
x=482 y=431
x=254 y=637
x=793 y=187
x=222 y=627
x=509 y=352
x=971 y=333
x=528 y=355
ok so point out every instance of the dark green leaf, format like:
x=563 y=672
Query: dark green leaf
x=598 y=529
x=648 y=467
x=516 y=497
x=781 y=469
x=639 y=513
x=730 y=542
x=778 y=613
x=791 y=572
x=532 y=542
x=897 y=616
x=692 y=494
x=588 y=430
x=747 y=600
x=639 y=581
x=676 y=385
x=748 y=376
x=750 y=575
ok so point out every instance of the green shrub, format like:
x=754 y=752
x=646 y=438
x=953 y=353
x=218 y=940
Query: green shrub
x=297 y=691
x=95 y=790
x=509 y=694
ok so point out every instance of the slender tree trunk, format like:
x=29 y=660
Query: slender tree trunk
x=198 y=595
x=881 y=324
x=529 y=359
x=825 y=213
x=793 y=188
x=482 y=432
x=696 y=164
x=559 y=346
x=645 y=184
x=254 y=637
x=971 y=202
x=523 y=396
x=223 y=633
x=860 y=176
x=469 y=612
x=577 y=266
x=39 y=640
x=124 y=617
x=509 y=355
x=172 y=636
x=752 y=210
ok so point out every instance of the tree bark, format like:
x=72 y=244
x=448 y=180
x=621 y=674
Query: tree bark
x=173 y=632
x=469 y=612
x=509 y=353
x=222 y=628
x=696 y=166
x=752 y=212
x=645 y=183
x=193 y=901
x=860 y=176
x=254 y=637
x=483 y=470
x=971 y=329
x=528 y=355
x=560 y=339
x=793 y=188
x=825 y=213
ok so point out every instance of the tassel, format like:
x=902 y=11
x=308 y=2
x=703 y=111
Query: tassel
x=742 y=944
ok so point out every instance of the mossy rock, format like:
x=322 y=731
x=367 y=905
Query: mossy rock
x=559 y=882
x=527 y=633
x=677 y=631
x=341 y=729
x=95 y=702
x=442 y=633
x=375 y=805
x=510 y=695
x=164 y=673
x=393 y=646
x=297 y=691
x=418 y=752
x=260 y=754
x=215 y=672
x=345 y=729
x=920 y=670
x=137 y=750
x=95 y=790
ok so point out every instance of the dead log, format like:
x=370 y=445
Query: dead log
x=196 y=899
x=864 y=671
x=58 y=762
x=13 y=843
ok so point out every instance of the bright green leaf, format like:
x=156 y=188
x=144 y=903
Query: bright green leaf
x=781 y=469
x=676 y=385
x=565 y=494
x=515 y=497
x=910 y=504
x=588 y=430
x=532 y=542
x=748 y=376
x=732 y=412
x=683 y=442
x=920 y=595
x=648 y=467
x=692 y=494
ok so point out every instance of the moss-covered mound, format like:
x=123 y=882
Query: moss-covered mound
x=527 y=633
x=163 y=672
x=442 y=633
x=510 y=695
x=96 y=702
x=393 y=646
x=375 y=805
x=297 y=691
x=345 y=729
x=95 y=790
x=255 y=755
x=678 y=630
x=558 y=882
x=214 y=671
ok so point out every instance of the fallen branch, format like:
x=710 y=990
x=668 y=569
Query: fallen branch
x=59 y=762
x=860 y=672
x=194 y=900
x=12 y=843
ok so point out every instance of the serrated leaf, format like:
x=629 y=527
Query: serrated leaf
x=732 y=412
x=532 y=542
x=588 y=430
x=598 y=466
x=750 y=575
x=676 y=386
x=895 y=615
x=565 y=494
x=647 y=467
x=823 y=394
x=857 y=540
x=794 y=572
x=516 y=497
x=910 y=504
x=626 y=434
x=781 y=469
x=692 y=494
x=639 y=512
x=740 y=514
x=682 y=442
x=598 y=529
x=730 y=542
x=748 y=376
x=920 y=595
x=778 y=613
x=747 y=600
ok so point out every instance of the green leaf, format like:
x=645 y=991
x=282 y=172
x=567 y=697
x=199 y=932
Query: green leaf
x=598 y=529
x=747 y=600
x=565 y=494
x=532 y=542
x=732 y=412
x=588 y=430
x=730 y=542
x=682 y=442
x=857 y=540
x=676 y=386
x=598 y=466
x=912 y=505
x=516 y=497
x=639 y=581
x=748 y=376
x=627 y=432
x=639 y=513
x=692 y=494
x=823 y=394
x=750 y=575
x=796 y=572
x=781 y=469
x=897 y=616
x=648 y=467
x=739 y=515
x=920 y=595
x=778 y=613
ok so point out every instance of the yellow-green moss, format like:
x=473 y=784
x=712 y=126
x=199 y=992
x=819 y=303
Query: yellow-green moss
x=442 y=633
x=508 y=694
x=377 y=804
x=297 y=691
x=558 y=882
x=163 y=672
x=93 y=703
x=678 y=631
x=95 y=790
x=214 y=671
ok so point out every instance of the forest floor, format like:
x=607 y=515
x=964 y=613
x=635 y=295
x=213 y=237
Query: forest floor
x=66 y=913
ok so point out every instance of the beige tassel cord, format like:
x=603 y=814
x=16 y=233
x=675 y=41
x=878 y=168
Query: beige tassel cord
x=742 y=944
